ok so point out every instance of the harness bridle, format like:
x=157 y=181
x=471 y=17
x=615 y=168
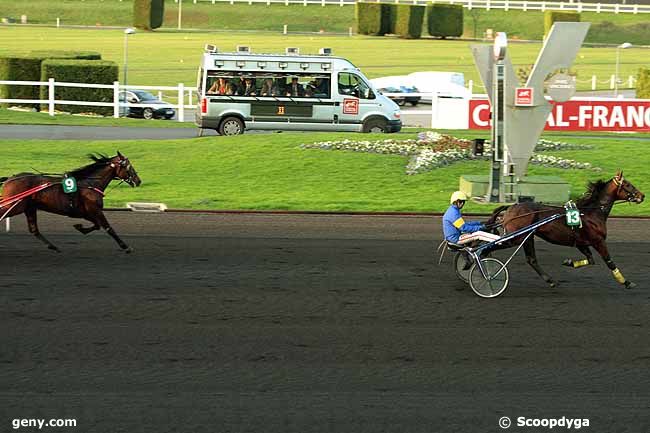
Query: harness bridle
x=126 y=164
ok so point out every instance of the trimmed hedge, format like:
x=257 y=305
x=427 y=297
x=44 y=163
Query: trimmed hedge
x=372 y=18
x=61 y=54
x=148 y=14
x=20 y=68
x=406 y=20
x=80 y=71
x=445 y=20
x=28 y=68
x=643 y=83
x=551 y=17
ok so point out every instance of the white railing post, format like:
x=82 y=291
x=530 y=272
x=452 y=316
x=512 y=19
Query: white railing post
x=470 y=87
x=612 y=82
x=50 y=96
x=181 y=105
x=189 y=96
x=598 y=8
x=630 y=81
x=116 y=99
x=284 y=31
x=594 y=82
x=58 y=23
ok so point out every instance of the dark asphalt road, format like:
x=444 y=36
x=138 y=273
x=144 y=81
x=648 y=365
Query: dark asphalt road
x=267 y=323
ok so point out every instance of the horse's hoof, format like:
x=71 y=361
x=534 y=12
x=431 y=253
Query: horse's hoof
x=553 y=283
x=630 y=285
x=129 y=250
x=568 y=262
x=53 y=248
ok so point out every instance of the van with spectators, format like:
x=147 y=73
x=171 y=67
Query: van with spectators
x=241 y=90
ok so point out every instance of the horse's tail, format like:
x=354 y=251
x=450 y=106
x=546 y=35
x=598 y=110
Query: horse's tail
x=496 y=213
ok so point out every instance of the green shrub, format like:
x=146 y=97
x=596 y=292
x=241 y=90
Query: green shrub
x=406 y=20
x=20 y=68
x=550 y=17
x=148 y=14
x=28 y=68
x=80 y=71
x=445 y=20
x=372 y=18
x=643 y=83
x=606 y=32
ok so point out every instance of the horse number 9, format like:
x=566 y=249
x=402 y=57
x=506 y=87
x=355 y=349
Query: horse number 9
x=69 y=185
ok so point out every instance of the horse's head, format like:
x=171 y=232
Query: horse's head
x=124 y=170
x=625 y=190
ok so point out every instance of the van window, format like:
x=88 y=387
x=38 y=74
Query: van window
x=353 y=85
x=268 y=84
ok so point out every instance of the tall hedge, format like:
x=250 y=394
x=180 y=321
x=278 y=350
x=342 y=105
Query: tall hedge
x=372 y=18
x=550 y=17
x=20 y=68
x=643 y=83
x=80 y=71
x=445 y=20
x=28 y=68
x=406 y=20
x=148 y=14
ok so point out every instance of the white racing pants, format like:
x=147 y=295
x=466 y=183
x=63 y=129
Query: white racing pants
x=477 y=236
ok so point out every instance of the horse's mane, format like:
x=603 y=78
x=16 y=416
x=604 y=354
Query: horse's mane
x=98 y=159
x=592 y=194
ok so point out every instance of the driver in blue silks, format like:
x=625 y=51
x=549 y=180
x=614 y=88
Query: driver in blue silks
x=456 y=229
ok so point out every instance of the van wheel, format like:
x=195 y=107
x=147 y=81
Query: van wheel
x=231 y=126
x=375 y=125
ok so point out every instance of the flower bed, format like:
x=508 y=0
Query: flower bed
x=432 y=149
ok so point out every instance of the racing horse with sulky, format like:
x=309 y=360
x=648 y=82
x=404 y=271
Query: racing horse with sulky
x=77 y=194
x=594 y=206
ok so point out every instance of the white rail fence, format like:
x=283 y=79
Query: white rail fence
x=609 y=83
x=184 y=96
x=468 y=4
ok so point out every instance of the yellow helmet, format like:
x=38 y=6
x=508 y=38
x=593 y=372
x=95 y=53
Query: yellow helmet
x=458 y=195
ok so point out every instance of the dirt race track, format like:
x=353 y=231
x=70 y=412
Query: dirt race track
x=284 y=323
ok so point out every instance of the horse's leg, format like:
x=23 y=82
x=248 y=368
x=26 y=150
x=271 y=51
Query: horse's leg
x=531 y=258
x=601 y=247
x=30 y=213
x=103 y=222
x=86 y=230
x=584 y=249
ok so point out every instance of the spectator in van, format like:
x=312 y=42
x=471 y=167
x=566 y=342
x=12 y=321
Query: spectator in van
x=295 y=89
x=269 y=88
x=246 y=87
x=321 y=87
x=221 y=87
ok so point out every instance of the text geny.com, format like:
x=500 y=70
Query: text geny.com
x=40 y=423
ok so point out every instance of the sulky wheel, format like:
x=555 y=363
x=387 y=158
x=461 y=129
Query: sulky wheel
x=494 y=282
x=462 y=265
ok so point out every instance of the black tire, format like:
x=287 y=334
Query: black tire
x=400 y=102
x=231 y=126
x=414 y=103
x=375 y=125
x=147 y=113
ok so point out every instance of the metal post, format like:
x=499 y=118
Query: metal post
x=180 y=13
x=126 y=55
x=498 y=102
x=618 y=58
x=8 y=225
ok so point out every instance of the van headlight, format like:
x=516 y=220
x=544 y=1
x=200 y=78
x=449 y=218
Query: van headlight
x=397 y=114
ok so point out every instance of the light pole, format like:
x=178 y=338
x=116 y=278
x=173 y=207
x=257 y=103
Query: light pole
x=623 y=46
x=127 y=31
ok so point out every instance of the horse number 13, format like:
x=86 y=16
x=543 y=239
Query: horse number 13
x=573 y=217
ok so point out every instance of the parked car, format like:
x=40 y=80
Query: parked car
x=397 y=84
x=158 y=109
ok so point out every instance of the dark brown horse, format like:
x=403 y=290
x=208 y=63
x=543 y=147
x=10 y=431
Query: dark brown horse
x=594 y=207
x=87 y=202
